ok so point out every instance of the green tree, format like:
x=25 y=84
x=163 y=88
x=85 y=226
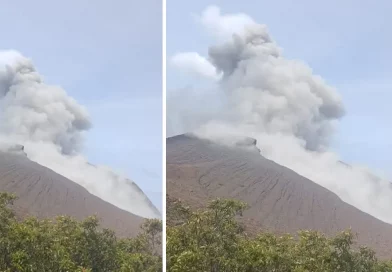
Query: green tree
x=212 y=240
x=208 y=240
x=66 y=244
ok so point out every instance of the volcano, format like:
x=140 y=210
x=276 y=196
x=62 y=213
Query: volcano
x=280 y=200
x=43 y=193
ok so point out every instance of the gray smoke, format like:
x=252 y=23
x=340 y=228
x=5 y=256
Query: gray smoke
x=51 y=125
x=290 y=111
x=273 y=93
x=32 y=110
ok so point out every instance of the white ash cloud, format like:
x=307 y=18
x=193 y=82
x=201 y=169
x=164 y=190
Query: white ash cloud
x=51 y=125
x=194 y=64
x=289 y=110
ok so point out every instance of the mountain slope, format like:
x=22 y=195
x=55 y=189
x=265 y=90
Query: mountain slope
x=42 y=192
x=280 y=200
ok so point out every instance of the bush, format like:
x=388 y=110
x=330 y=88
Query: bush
x=65 y=244
x=212 y=240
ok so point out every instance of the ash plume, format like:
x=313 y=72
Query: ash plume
x=51 y=125
x=275 y=94
x=280 y=102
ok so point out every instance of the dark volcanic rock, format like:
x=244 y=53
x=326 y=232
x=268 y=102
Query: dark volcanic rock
x=42 y=192
x=249 y=144
x=280 y=200
x=16 y=149
x=246 y=142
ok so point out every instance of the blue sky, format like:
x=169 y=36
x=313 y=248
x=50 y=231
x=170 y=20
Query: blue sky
x=346 y=42
x=107 y=55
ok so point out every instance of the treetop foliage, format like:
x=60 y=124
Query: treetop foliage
x=65 y=244
x=212 y=240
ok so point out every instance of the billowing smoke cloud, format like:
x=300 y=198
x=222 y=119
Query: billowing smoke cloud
x=280 y=102
x=51 y=125
x=193 y=63
x=31 y=110
x=221 y=26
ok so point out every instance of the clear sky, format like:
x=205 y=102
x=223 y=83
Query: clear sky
x=348 y=43
x=107 y=55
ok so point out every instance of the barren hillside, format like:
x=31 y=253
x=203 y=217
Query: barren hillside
x=280 y=200
x=44 y=193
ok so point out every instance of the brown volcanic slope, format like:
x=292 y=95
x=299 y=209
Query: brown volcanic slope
x=280 y=200
x=42 y=192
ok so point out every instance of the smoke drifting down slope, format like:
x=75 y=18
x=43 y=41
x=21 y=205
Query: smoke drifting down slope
x=43 y=193
x=50 y=125
x=280 y=102
x=280 y=200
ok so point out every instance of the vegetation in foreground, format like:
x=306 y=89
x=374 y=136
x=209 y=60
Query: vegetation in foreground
x=67 y=245
x=212 y=240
